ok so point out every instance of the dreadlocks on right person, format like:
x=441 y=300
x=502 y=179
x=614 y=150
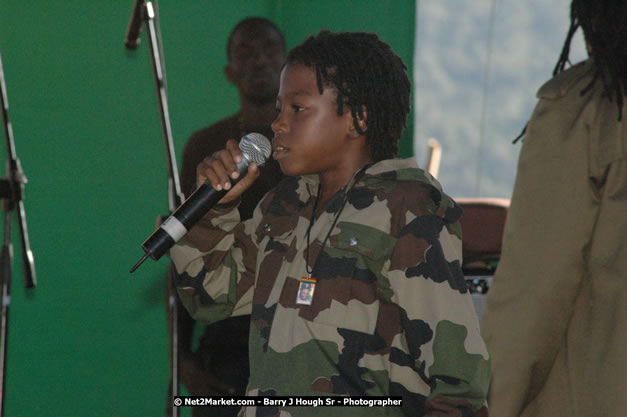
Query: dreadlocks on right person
x=604 y=24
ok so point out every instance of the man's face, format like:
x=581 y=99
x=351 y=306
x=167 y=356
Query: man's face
x=256 y=58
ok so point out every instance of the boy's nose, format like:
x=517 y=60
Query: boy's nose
x=279 y=125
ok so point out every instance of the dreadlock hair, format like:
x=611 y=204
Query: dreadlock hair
x=370 y=79
x=251 y=21
x=604 y=24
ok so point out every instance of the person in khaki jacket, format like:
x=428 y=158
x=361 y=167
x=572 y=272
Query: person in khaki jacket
x=556 y=316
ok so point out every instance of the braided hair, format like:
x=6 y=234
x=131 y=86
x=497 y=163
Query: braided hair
x=370 y=79
x=604 y=24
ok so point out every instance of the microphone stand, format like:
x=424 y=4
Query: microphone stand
x=175 y=197
x=12 y=191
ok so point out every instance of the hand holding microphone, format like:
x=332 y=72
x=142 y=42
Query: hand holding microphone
x=222 y=172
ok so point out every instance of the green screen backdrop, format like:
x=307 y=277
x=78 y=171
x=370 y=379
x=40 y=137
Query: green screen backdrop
x=91 y=339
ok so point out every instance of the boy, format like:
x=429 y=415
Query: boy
x=375 y=237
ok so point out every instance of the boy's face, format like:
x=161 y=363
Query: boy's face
x=309 y=136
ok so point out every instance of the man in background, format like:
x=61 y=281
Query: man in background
x=256 y=52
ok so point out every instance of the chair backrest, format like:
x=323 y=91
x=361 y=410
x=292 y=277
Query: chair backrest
x=482 y=223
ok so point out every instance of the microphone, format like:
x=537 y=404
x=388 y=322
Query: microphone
x=134 y=26
x=255 y=147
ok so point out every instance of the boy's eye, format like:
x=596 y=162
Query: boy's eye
x=297 y=108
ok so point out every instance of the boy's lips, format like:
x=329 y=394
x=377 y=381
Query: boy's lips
x=279 y=152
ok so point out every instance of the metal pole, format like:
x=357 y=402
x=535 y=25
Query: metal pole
x=14 y=186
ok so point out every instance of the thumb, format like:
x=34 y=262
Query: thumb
x=251 y=176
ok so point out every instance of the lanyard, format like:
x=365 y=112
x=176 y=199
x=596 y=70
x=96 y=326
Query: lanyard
x=349 y=188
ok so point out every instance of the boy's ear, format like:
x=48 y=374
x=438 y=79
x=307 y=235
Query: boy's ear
x=362 y=123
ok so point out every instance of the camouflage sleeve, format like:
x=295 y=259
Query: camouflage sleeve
x=440 y=337
x=215 y=264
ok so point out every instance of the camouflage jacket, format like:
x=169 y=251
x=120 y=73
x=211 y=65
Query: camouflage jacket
x=390 y=313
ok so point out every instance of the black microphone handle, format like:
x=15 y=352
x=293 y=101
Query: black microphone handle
x=187 y=215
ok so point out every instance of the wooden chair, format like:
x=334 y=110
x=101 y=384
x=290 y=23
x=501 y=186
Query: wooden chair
x=482 y=223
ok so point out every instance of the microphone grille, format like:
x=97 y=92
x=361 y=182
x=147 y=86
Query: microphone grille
x=256 y=147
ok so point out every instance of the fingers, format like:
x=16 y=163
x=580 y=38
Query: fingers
x=219 y=168
x=247 y=180
x=220 y=171
x=221 y=388
x=209 y=384
x=199 y=381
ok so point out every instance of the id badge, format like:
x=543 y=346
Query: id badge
x=306 y=289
